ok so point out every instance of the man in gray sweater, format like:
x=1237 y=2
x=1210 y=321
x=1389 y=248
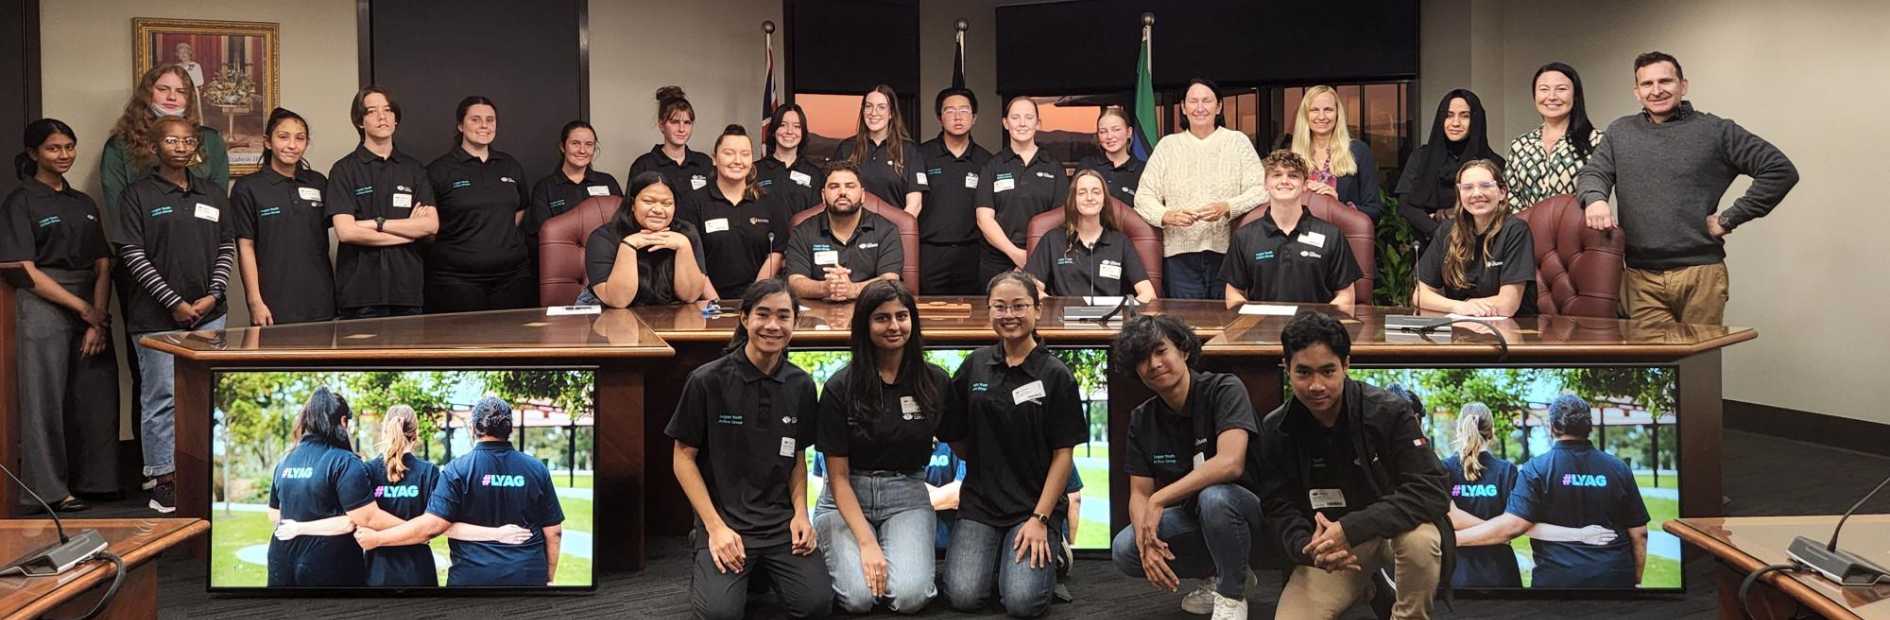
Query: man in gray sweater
x=1668 y=167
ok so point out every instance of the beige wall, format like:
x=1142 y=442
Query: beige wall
x=936 y=39
x=1810 y=278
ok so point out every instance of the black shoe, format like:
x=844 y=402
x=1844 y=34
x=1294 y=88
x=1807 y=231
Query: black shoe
x=71 y=504
x=164 y=496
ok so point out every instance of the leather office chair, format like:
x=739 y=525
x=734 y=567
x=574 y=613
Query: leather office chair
x=1358 y=228
x=908 y=233
x=1578 y=269
x=1146 y=240
x=561 y=249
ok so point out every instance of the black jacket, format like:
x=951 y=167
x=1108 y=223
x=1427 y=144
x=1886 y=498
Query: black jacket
x=1400 y=468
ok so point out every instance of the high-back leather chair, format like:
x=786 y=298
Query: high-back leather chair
x=561 y=249
x=1354 y=224
x=1578 y=269
x=1145 y=239
x=908 y=233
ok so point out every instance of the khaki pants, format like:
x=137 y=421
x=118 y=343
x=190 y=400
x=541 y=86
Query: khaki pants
x=1695 y=294
x=1416 y=556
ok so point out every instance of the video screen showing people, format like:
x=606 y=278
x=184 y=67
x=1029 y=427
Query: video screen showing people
x=402 y=479
x=1561 y=478
x=1089 y=483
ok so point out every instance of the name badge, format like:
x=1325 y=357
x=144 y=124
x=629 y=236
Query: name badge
x=309 y=193
x=1199 y=460
x=598 y=190
x=1003 y=185
x=971 y=180
x=719 y=224
x=1109 y=270
x=827 y=257
x=403 y=201
x=800 y=177
x=908 y=407
x=1326 y=498
x=922 y=178
x=1313 y=238
x=1027 y=393
x=787 y=446
x=207 y=212
x=698 y=181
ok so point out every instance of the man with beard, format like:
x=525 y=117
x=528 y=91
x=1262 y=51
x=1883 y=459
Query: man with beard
x=834 y=255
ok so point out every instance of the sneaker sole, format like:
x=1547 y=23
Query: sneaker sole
x=162 y=508
x=148 y=484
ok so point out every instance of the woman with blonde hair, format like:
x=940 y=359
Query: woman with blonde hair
x=1480 y=483
x=1342 y=167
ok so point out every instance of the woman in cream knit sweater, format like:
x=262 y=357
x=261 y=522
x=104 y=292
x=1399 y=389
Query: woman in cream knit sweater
x=1196 y=184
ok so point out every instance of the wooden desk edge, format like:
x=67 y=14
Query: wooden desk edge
x=1621 y=351
x=96 y=572
x=1746 y=563
x=656 y=351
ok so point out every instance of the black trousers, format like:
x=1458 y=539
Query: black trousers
x=805 y=588
x=950 y=269
x=449 y=292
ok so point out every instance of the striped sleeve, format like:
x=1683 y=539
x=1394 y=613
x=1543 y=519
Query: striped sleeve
x=147 y=276
x=220 y=274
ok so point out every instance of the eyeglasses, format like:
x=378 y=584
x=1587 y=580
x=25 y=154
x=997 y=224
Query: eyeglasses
x=1004 y=310
x=1483 y=185
x=174 y=141
x=956 y=110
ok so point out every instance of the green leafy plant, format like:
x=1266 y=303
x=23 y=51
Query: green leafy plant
x=1397 y=258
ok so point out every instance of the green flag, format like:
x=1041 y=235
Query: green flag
x=1145 y=136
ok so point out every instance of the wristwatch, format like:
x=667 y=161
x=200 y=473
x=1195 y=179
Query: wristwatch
x=1041 y=518
x=380 y=224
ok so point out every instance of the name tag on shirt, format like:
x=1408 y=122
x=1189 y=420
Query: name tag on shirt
x=827 y=257
x=598 y=190
x=908 y=407
x=1027 y=392
x=719 y=224
x=207 y=212
x=1313 y=238
x=922 y=178
x=787 y=446
x=1199 y=460
x=801 y=177
x=1003 y=185
x=1109 y=270
x=309 y=193
x=1326 y=498
x=403 y=201
x=698 y=181
x=971 y=180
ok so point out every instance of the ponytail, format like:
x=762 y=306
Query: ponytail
x=36 y=134
x=1475 y=430
x=276 y=117
x=399 y=428
x=24 y=166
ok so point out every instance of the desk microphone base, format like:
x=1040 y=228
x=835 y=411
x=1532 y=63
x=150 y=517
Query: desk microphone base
x=1843 y=567
x=57 y=558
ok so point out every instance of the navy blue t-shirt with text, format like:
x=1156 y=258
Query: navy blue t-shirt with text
x=410 y=565
x=491 y=486
x=316 y=481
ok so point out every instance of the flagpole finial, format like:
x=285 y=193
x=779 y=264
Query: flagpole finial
x=962 y=25
x=1148 y=19
x=768 y=26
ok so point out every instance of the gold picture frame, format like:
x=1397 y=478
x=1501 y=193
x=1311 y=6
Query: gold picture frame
x=237 y=70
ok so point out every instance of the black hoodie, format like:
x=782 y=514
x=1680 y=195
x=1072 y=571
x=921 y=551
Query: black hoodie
x=1429 y=181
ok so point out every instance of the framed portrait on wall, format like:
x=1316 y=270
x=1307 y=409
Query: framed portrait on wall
x=234 y=67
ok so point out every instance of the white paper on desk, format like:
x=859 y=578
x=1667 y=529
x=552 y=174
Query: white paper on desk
x=1268 y=310
x=1485 y=319
x=573 y=310
x=1102 y=301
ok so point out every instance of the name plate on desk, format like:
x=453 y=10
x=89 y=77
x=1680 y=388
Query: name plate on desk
x=573 y=310
x=1088 y=313
x=1268 y=310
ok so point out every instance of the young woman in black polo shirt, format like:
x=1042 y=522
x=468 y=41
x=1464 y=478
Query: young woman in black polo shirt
x=741 y=430
x=891 y=166
x=68 y=381
x=644 y=256
x=1014 y=410
x=478 y=261
x=1486 y=263
x=1088 y=255
x=877 y=419
x=1017 y=184
x=786 y=169
x=1119 y=167
x=281 y=236
x=574 y=182
x=743 y=228
x=381 y=204
x=687 y=170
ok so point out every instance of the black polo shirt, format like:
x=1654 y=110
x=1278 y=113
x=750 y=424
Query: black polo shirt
x=873 y=250
x=368 y=186
x=748 y=429
x=1512 y=260
x=1011 y=420
x=695 y=172
x=1575 y=485
x=1166 y=445
x=1019 y=191
x=56 y=229
x=317 y=481
x=656 y=267
x=283 y=216
x=555 y=193
x=408 y=565
x=479 y=206
x=883 y=179
x=736 y=238
x=799 y=184
x=897 y=436
x=1121 y=180
x=1310 y=266
x=1110 y=268
x=491 y=486
x=1335 y=479
x=1484 y=566
x=179 y=230
x=950 y=215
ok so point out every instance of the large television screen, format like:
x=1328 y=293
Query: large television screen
x=474 y=502
x=1597 y=488
x=1089 y=486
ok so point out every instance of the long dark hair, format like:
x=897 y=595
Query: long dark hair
x=896 y=136
x=321 y=418
x=1580 y=130
x=1463 y=234
x=624 y=223
x=276 y=117
x=1436 y=153
x=37 y=132
x=774 y=125
x=459 y=116
x=756 y=292
x=863 y=370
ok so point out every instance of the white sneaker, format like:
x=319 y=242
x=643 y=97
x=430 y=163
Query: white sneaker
x=1229 y=608
x=1200 y=602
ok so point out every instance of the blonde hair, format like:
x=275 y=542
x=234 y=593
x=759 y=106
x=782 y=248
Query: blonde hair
x=399 y=429
x=1476 y=427
x=135 y=124
x=1464 y=233
x=1341 y=144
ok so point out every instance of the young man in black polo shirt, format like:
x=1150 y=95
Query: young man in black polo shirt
x=948 y=229
x=1574 y=485
x=1288 y=255
x=1194 y=482
x=380 y=201
x=1356 y=487
x=833 y=255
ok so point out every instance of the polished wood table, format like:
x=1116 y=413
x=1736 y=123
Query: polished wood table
x=73 y=593
x=1745 y=544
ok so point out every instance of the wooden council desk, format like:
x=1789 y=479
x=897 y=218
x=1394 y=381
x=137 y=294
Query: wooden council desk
x=1744 y=544
x=138 y=541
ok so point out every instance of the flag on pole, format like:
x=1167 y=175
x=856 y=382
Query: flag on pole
x=768 y=98
x=1143 y=140
x=958 y=61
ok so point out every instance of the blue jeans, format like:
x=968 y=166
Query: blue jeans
x=1217 y=533
x=980 y=556
x=1195 y=275
x=899 y=510
x=157 y=405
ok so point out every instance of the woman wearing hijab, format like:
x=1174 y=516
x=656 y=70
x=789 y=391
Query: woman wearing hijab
x=1427 y=190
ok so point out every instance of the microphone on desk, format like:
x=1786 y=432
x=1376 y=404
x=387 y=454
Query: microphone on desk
x=1846 y=568
x=1126 y=308
x=1426 y=325
x=58 y=557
